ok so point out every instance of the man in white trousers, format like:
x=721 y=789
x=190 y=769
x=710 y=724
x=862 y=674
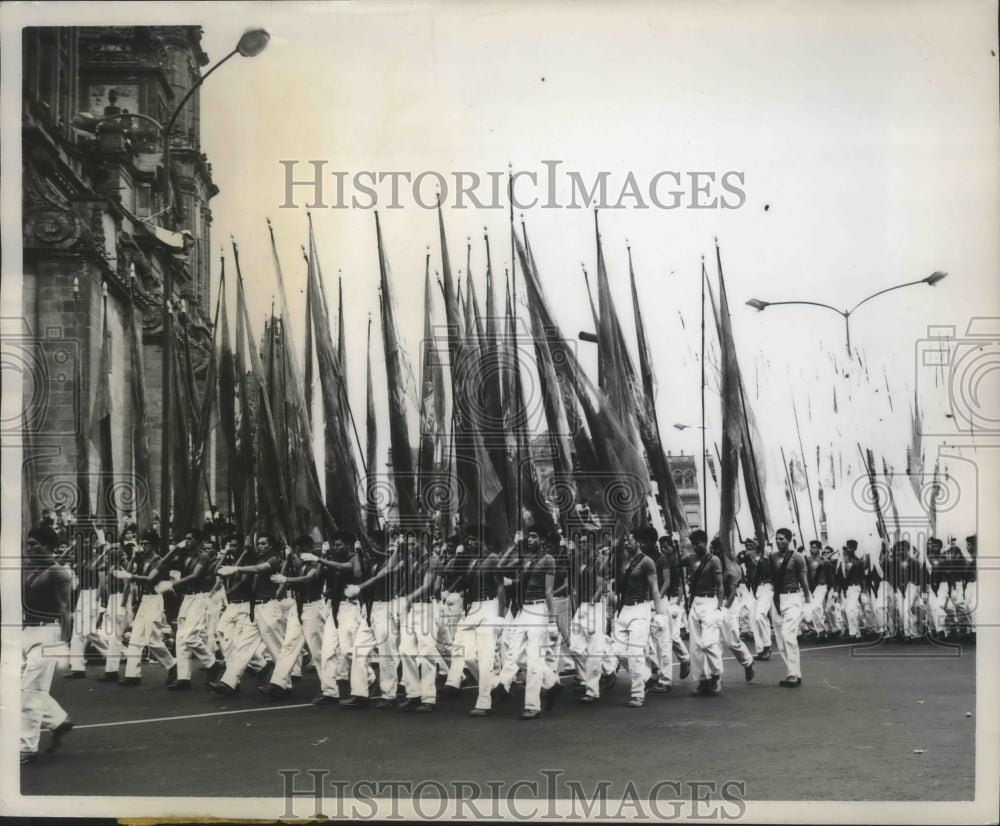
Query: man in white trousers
x=732 y=576
x=705 y=602
x=87 y=610
x=588 y=638
x=475 y=642
x=379 y=635
x=763 y=592
x=418 y=634
x=47 y=623
x=194 y=582
x=791 y=593
x=142 y=575
x=852 y=582
x=820 y=576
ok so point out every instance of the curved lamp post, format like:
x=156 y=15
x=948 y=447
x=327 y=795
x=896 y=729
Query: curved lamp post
x=251 y=43
x=930 y=280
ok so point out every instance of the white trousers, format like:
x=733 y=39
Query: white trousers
x=38 y=665
x=475 y=647
x=762 y=633
x=529 y=640
x=315 y=615
x=244 y=639
x=113 y=623
x=789 y=618
x=731 y=633
x=814 y=617
x=588 y=644
x=147 y=630
x=630 y=636
x=852 y=610
x=192 y=635
x=418 y=651
x=705 y=636
x=379 y=636
x=85 y=628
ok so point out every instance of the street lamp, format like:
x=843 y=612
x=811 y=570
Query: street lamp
x=930 y=280
x=251 y=43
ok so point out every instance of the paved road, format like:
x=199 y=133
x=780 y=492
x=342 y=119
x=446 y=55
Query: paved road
x=849 y=733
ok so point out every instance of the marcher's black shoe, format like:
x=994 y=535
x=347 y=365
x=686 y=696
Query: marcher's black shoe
x=130 y=681
x=661 y=688
x=791 y=682
x=325 y=700
x=75 y=675
x=407 y=704
x=479 y=712
x=702 y=690
x=171 y=674
x=587 y=699
x=449 y=691
x=60 y=731
x=179 y=685
x=529 y=715
x=500 y=693
x=354 y=702
x=685 y=669
x=425 y=708
x=384 y=703
x=108 y=677
x=222 y=688
x=215 y=671
x=715 y=686
x=276 y=692
x=549 y=697
x=749 y=671
x=764 y=653
x=608 y=681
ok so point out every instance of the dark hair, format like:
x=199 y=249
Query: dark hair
x=645 y=533
x=785 y=532
x=150 y=536
x=971 y=538
x=698 y=536
x=851 y=544
x=45 y=536
x=815 y=543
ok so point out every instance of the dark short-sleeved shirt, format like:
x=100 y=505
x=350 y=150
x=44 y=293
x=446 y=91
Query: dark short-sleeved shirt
x=534 y=575
x=705 y=583
x=311 y=590
x=482 y=579
x=189 y=564
x=763 y=570
x=635 y=588
x=662 y=565
x=854 y=572
x=793 y=570
x=263 y=589
x=387 y=588
x=144 y=566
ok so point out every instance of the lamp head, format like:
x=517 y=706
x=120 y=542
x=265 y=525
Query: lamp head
x=934 y=277
x=253 y=42
x=758 y=305
x=85 y=121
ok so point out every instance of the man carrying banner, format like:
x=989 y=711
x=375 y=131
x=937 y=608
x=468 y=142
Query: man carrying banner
x=705 y=603
x=791 y=593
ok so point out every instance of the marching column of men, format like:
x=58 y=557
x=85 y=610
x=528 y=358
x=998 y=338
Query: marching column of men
x=392 y=622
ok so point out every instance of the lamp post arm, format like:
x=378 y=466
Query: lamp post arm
x=126 y=115
x=177 y=109
x=812 y=303
x=886 y=290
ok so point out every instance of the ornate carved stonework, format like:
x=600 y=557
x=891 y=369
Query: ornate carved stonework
x=51 y=227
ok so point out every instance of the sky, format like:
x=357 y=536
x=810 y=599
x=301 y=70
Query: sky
x=864 y=135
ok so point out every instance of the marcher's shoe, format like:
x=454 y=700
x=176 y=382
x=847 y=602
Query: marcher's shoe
x=407 y=704
x=215 y=671
x=479 y=712
x=60 y=731
x=425 y=708
x=276 y=692
x=130 y=681
x=636 y=702
x=171 y=674
x=449 y=691
x=749 y=671
x=75 y=675
x=384 y=703
x=715 y=685
x=179 y=685
x=28 y=757
x=661 y=688
x=588 y=699
x=529 y=715
x=608 y=681
x=325 y=700
x=791 y=682
x=222 y=688
x=703 y=689
x=264 y=675
x=500 y=693
x=763 y=654
x=354 y=702
x=344 y=687
x=108 y=677
x=685 y=669
x=651 y=682
x=549 y=697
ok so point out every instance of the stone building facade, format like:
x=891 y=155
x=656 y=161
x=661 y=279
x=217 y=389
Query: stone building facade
x=98 y=239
